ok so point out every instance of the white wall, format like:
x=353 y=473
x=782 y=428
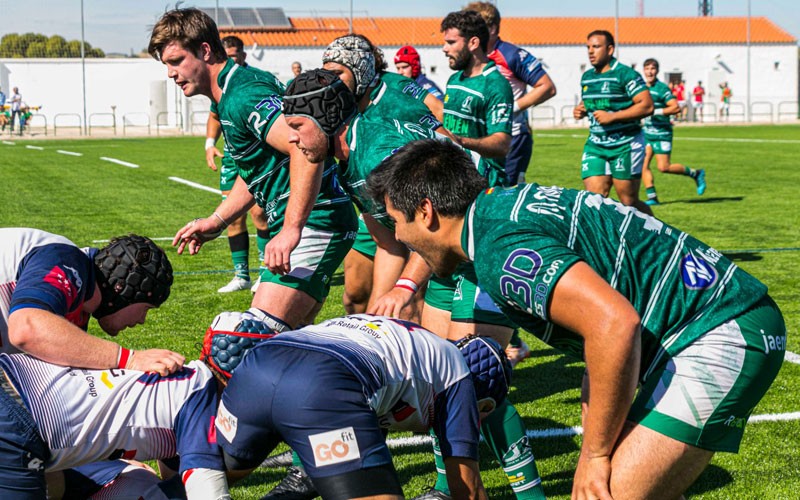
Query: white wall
x=126 y=83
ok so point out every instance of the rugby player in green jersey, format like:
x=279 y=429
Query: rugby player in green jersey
x=380 y=97
x=642 y=303
x=614 y=98
x=658 y=136
x=311 y=220
x=238 y=239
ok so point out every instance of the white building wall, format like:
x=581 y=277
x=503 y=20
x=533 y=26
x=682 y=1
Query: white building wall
x=55 y=84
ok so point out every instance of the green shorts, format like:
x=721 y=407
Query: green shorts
x=623 y=162
x=227 y=174
x=364 y=243
x=704 y=394
x=660 y=145
x=314 y=261
x=461 y=295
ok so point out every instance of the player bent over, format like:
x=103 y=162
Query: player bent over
x=369 y=373
x=643 y=303
x=658 y=136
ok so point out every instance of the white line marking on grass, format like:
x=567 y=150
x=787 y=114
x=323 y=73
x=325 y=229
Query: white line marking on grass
x=701 y=139
x=37 y=148
x=576 y=431
x=70 y=153
x=10 y=143
x=119 y=162
x=792 y=357
x=196 y=185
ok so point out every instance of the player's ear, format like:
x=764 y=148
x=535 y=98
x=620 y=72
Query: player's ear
x=427 y=213
x=205 y=51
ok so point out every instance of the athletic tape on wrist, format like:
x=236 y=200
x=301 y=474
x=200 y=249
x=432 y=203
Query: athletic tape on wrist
x=408 y=284
x=210 y=142
x=122 y=357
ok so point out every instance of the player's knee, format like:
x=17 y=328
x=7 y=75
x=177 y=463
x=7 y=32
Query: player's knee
x=355 y=302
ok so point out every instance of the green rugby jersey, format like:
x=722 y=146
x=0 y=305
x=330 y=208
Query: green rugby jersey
x=611 y=91
x=658 y=127
x=250 y=104
x=370 y=143
x=398 y=98
x=479 y=106
x=523 y=239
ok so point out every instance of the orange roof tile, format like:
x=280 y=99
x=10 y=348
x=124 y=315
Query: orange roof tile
x=395 y=31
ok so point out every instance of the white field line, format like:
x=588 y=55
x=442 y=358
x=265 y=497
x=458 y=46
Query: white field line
x=70 y=153
x=9 y=143
x=196 y=185
x=577 y=431
x=792 y=358
x=119 y=162
x=37 y=148
x=700 y=139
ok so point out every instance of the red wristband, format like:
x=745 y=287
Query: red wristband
x=123 y=357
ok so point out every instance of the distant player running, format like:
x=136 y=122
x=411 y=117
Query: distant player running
x=658 y=136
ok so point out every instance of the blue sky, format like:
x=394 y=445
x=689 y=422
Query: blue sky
x=122 y=25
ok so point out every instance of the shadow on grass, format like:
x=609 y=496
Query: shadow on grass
x=703 y=200
x=744 y=256
x=713 y=478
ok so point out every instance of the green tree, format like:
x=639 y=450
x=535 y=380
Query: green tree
x=13 y=45
x=36 y=49
x=56 y=46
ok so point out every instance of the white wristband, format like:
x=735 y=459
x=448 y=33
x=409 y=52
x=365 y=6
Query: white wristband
x=408 y=284
x=515 y=109
x=210 y=142
x=659 y=111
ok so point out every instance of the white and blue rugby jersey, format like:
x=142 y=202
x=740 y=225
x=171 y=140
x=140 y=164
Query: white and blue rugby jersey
x=85 y=416
x=43 y=271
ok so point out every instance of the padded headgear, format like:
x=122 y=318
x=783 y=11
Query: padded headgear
x=491 y=371
x=131 y=269
x=410 y=56
x=322 y=97
x=354 y=53
x=230 y=336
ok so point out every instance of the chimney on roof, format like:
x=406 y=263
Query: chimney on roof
x=705 y=8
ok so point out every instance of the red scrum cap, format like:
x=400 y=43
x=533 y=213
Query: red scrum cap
x=410 y=56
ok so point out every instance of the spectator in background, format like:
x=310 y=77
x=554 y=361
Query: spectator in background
x=679 y=91
x=2 y=99
x=725 y=101
x=407 y=63
x=697 y=104
x=16 y=104
x=297 y=68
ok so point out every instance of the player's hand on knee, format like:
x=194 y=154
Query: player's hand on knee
x=592 y=478
x=161 y=361
x=392 y=303
x=278 y=251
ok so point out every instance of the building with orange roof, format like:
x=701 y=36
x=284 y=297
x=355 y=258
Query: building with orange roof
x=710 y=49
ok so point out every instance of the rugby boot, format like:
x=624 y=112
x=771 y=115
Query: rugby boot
x=278 y=461
x=652 y=201
x=701 y=181
x=295 y=486
x=235 y=285
x=433 y=494
x=515 y=354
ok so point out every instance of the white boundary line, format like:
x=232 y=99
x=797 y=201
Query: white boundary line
x=577 y=431
x=196 y=185
x=37 y=148
x=707 y=139
x=70 y=153
x=9 y=143
x=792 y=358
x=119 y=162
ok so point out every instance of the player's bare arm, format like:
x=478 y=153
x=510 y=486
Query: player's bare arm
x=672 y=108
x=213 y=131
x=399 y=298
x=305 y=179
x=542 y=90
x=491 y=146
x=52 y=338
x=435 y=105
x=584 y=303
x=464 y=478
x=642 y=107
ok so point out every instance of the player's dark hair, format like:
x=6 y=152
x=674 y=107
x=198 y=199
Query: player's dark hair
x=191 y=28
x=233 y=41
x=427 y=169
x=649 y=62
x=469 y=24
x=608 y=36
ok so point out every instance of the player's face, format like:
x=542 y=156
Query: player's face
x=650 y=73
x=237 y=56
x=309 y=139
x=343 y=72
x=456 y=49
x=403 y=69
x=127 y=317
x=296 y=69
x=190 y=72
x=599 y=51
x=417 y=236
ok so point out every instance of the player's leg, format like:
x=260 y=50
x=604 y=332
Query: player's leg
x=518 y=157
x=627 y=162
x=595 y=171
x=259 y=219
x=238 y=239
x=665 y=165
x=647 y=176
x=22 y=452
x=358 y=268
x=293 y=298
x=438 y=302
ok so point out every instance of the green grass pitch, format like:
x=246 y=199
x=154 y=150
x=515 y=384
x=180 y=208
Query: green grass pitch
x=750 y=212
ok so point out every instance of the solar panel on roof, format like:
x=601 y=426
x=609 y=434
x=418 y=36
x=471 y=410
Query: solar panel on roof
x=273 y=17
x=243 y=17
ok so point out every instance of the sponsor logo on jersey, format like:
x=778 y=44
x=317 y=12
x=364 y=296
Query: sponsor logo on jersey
x=58 y=279
x=227 y=423
x=334 y=447
x=606 y=87
x=697 y=274
x=467 y=104
x=36 y=464
x=773 y=342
